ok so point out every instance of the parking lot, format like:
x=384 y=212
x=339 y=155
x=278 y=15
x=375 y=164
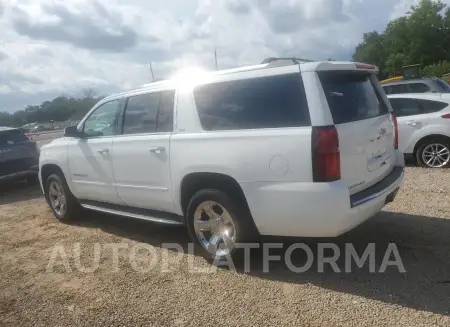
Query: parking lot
x=418 y=222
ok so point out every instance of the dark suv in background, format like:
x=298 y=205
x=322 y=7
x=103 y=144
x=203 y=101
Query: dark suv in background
x=19 y=157
x=417 y=85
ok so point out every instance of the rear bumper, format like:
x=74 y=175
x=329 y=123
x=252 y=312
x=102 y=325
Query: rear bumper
x=20 y=174
x=316 y=209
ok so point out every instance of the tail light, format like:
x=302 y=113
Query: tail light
x=446 y=116
x=326 y=158
x=394 y=121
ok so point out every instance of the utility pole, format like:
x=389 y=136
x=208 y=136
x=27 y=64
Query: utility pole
x=215 y=59
x=151 y=71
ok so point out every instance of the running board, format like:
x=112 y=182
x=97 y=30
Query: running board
x=143 y=214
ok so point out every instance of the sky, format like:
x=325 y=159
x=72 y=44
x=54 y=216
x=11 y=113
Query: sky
x=50 y=48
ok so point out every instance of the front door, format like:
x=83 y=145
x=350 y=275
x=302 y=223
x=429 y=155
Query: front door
x=90 y=157
x=141 y=153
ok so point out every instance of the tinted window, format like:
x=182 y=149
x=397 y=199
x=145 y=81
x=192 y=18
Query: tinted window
x=432 y=106
x=12 y=137
x=394 y=89
x=103 y=121
x=351 y=96
x=141 y=113
x=149 y=113
x=443 y=85
x=267 y=102
x=417 y=88
x=406 y=107
x=165 y=113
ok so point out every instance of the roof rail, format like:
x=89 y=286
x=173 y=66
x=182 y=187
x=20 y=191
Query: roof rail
x=291 y=60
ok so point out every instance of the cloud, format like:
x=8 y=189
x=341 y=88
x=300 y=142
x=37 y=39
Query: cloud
x=54 y=47
x=94 y=28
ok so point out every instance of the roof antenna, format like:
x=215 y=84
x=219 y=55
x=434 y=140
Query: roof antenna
x=215 y=59
x=151 y=71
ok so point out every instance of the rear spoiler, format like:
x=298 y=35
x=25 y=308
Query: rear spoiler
x=336 y=65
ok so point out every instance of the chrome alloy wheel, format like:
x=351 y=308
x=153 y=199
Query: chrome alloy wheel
x=57 y=198
x=214 y=228
x=436 y=155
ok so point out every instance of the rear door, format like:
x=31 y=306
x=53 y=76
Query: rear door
x=17 y=152
x=141 y=153
x=411 y=118
x=364 y=125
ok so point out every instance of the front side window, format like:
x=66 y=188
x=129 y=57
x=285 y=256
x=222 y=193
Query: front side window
x=103 y=121
x=265 y=102
x=406 y=107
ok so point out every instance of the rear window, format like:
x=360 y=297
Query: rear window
x=417 y=88
x=266 y=102
x=12 y=137
x=444 y=85
x=351 y=96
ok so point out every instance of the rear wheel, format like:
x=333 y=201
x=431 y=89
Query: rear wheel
x=216 y=223
x=434 y=154
x=63 y=204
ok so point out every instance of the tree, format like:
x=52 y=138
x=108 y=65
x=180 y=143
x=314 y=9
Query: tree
x=59 y=109
x=422 y=36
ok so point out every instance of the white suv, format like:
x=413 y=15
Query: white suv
x=424 y=127
x=284 y=148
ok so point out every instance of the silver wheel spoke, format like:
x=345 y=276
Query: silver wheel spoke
x=202 y=225
x=210 y=211
x=229 y=243
x=213 y=242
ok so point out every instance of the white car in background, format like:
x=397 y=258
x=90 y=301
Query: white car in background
x=424 y=127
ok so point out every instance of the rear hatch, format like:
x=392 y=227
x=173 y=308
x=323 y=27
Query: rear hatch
x=364 y=126
x=17 y=152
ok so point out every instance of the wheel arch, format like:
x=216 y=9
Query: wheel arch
x=429 y=138
x=194 y=182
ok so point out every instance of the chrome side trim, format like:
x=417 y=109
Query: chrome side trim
x=131 y=215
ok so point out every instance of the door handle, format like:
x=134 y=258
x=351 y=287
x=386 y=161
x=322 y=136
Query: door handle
x=157 y=149
x=414 y=123
x=103 y=151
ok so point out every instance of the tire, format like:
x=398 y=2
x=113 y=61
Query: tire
x=242 y=223
x=55 y=186
x=32 y=180
x=440 y=148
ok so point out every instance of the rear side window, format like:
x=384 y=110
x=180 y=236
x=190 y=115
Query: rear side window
x=409 y=107
x=351 y=96
x=267 y=102
x=149 y=113
x=406 y=107
x=430 y=106
x=394 y=89
x=417 y=88
x=12 y=137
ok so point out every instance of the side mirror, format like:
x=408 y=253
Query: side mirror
x=72 y=131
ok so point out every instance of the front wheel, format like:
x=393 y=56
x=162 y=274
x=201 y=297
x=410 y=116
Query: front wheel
x=63 y=204
x=434 y=155
x=216 y=223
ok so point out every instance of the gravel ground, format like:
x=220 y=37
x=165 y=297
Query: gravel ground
x=418 y=222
